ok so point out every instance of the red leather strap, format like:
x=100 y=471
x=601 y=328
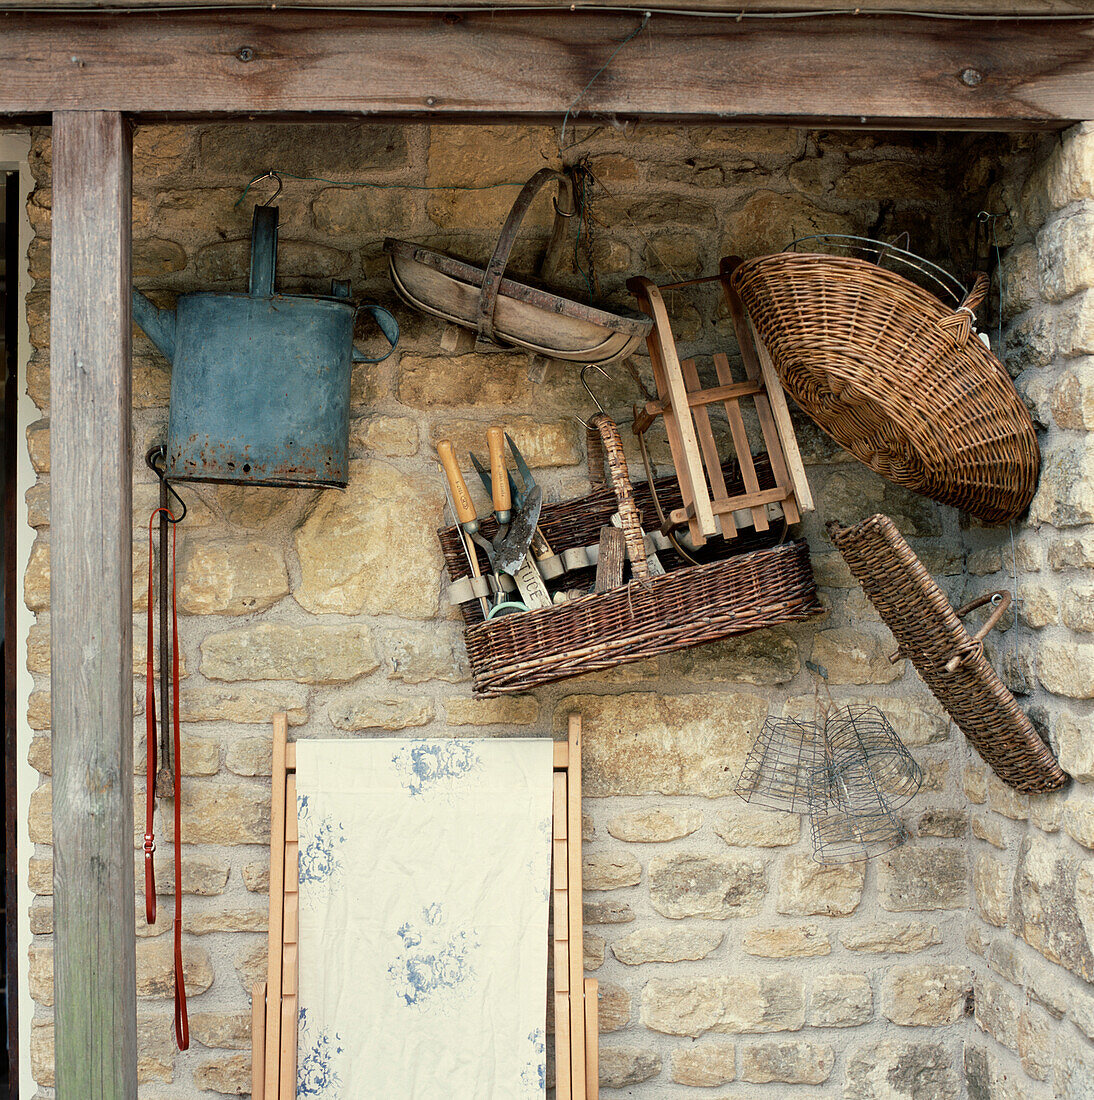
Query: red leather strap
x=182 y=1023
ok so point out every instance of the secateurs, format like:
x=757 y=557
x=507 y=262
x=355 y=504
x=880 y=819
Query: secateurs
x=516 y=511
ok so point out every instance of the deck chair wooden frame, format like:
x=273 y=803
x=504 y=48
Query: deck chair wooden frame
x=708 y=509
x=274 y=1004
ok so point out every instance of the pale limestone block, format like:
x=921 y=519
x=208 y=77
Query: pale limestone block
x=1065 y=492
x=1075 y=747
x=653 y=825
x=387 y=436
x=227 y=918
x=743 y=827
x=250 y=756
x=36 y=577
x=765 y=657
x=230 y=576
x=1006 y=800
x=358 y=712
x=475 y=381
x=1064 y=250
x=311 y=654
x=948 y=824
x=593 y=948
x=926 y=996
x=373 y=549
x=215 y=812
x=992 y=881
x=40 y=974
x=613 y=1008
x=544 y=443
x=1038 y=606
x=416 y=654
x=607 y=912
x=666 y=945
x=156 y=968
x=975 y=782
x=704 y=1064
x=1078 y=608
x=38 y=446
x=910 y=879
x=621 y=1066
x=228 y=1074
x=609 y=870
x=1079 y=818
x=768 y=219
x=1067 y=668
x=250 y=962
x=796 y=1063
x=226 y=1030
x=1073 y=1068
x=1072 y=400
x=808 y=888
x=246 y=705
x=851 y=657
x=996 y=1013
x=883 y=937
x=716 y=887
x=1069 y=172
x=489 y=154
x=256 y=876
x=840 y=1000
x=743 y=1004
x=647 y=743
x=787 y=942
x=894 y=1070
x=1036 y=1041
x=1072 y=551
x=505 y=710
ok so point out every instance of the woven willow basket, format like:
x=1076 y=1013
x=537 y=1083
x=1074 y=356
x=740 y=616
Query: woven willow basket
x=687 y=606
x=896 y=378
x=952 y=663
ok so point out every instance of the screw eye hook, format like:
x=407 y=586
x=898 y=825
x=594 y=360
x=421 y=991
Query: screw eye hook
x=271 y=175
x=588 y=390
x=156 y=459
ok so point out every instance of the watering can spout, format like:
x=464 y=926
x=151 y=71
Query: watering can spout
x=158 y=324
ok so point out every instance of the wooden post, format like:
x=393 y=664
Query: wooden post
x=92 y=610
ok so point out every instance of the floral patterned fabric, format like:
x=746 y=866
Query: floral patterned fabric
x=424 y=890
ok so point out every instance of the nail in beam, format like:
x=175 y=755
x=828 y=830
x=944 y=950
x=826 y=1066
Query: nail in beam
x=91 y=609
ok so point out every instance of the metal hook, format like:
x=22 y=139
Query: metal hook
x=156 y=459
x=588 y=390
x=270 y=175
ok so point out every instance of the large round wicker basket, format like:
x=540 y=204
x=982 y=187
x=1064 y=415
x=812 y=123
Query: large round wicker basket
x=896 y=377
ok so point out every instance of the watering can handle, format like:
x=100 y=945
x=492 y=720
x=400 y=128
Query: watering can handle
x=263 y=251
x=388 y=326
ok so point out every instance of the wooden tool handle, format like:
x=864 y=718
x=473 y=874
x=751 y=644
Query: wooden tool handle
x=465 y=509
x=499 y=478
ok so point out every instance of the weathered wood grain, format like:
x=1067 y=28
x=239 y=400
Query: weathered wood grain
x=91 y=602
x=877 y=71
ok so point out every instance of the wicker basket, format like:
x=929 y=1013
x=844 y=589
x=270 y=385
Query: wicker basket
x=687 y=606
x=896 y=378
x=931 y=635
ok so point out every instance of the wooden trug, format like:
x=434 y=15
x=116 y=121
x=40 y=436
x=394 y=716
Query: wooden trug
x=274 y=1004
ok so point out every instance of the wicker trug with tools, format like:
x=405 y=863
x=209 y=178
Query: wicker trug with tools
x=952 y=663
x=687 y=606
x=896 y=377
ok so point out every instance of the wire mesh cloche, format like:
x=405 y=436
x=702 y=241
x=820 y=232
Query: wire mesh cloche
x=848 y=770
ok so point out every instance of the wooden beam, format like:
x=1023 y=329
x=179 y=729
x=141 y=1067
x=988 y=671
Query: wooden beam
x=876 y=71
x=92 y=610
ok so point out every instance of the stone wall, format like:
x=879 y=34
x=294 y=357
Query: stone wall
x=1032 y=868
x=725 y=954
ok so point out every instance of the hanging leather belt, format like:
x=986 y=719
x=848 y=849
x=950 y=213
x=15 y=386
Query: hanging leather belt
x=182 y=1023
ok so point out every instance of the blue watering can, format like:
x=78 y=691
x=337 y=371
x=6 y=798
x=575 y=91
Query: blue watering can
x=260 y=381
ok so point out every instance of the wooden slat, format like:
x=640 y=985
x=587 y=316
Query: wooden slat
x=277 y=908
x=562 y=755
x=563 y=1081
x=795 y=466
x=741 y=444
x=592 y=1039
x=258 y=1041
x=711 y=458
x=560 y=875
x=575 y=914
x=287 y=1062
x=878 y=72
x=92 y=614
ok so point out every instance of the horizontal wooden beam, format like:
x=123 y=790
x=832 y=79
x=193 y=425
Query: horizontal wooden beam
x=877 y=71
x=965 y=8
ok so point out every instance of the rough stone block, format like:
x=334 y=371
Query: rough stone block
x=1075 y=748
x=230 y=576
x=883 y=937
x=387 y=436
x=246 y=705
x=372 y=549
x=227 y=918
x=1078 y=608
x=991 y=881
x=506 y=710
x=607 y=912
x=743 y=1004
x=795 y=1063
x=613 y=1008
x=766 y=657
x=996 y=1013
x=416 y=654
x=229 y=1074
x=609 y=870
x=651 y=826
x=704 y=1064
x=892 y=1070
x=1064 y=249
x=226 y=1030
x=926 y=996
x=544 y=443
x=717 y=887
x=852 y=657
x=356 y=712
x=1067 y=668
x=840 y=1000
x=667 y=945
x=807 y=888
x=743 y=827
x=1065 y=492
x=627 y=1065
x=648 y=743
x=922 y=878
x=787 y=941
x=1036 y=1041
x=218 y=813
x=943 y=823
x=311 y=654
x=156 y=968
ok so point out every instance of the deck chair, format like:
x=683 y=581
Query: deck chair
x=274 y=1008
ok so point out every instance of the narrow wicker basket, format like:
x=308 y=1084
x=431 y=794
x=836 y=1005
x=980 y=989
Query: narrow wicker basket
x=687 y=606
x=896 y=377
x=931 y=635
